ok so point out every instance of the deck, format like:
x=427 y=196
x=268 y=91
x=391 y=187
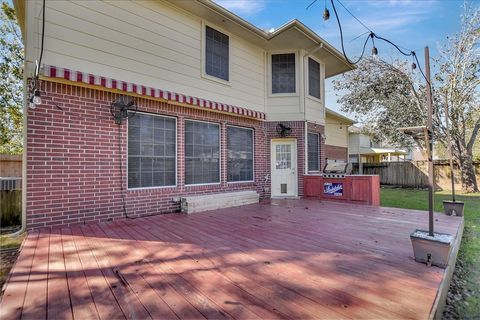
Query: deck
x=279 y=259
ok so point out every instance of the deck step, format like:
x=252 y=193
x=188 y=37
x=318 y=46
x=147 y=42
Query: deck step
x=199 y=203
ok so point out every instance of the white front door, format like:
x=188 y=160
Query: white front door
x=284 y=168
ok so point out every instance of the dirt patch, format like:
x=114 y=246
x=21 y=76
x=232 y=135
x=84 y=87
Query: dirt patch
x=7 y=259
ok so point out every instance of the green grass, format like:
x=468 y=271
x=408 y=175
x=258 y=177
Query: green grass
x=8 y=242
x=467 y=273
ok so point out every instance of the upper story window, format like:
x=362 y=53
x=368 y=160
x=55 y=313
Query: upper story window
x=151 y=151
x=216 y=54
x=313 y=78
x=283 y=73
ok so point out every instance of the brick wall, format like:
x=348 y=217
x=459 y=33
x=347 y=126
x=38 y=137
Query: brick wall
x=337 y=153
x=73 y=166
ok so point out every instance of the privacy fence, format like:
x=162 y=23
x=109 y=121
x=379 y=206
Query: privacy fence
x=10 y=190
x=413 y=174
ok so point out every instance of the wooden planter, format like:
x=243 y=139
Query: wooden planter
x=451 y=207
x=431 y=250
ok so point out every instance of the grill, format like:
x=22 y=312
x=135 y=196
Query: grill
x=335 y=170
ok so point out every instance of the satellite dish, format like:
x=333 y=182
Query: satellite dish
x=283 y=130
x=123 y=107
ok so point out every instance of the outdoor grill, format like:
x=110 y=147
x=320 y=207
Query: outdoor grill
x=335 y=170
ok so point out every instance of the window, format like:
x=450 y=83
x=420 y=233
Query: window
x=283 y=73
x=216 y=54
x=313 y=78
x=151 y=151
x=202 y=152
x=313 y=152
x=239 y=154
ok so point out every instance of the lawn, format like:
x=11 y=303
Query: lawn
x=8 y=255
x=464 y=295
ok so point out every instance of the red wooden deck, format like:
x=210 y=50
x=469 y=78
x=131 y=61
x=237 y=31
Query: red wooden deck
x=284 y=259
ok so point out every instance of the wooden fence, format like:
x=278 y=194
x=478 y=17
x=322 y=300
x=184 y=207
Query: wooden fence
x=10 y=165
x=10 y=202
x=413 y=174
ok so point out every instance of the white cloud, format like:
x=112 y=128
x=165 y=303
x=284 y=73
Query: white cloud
x=246 y=7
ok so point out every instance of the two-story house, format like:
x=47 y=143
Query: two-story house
x=221 y=105
x=336 y=136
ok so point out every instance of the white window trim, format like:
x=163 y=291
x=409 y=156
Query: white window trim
x=253 y=155
x=322 y=80
x=219 y=155
x=204 y=74
x=176 y=155
x=297 y=74
x=319 y=153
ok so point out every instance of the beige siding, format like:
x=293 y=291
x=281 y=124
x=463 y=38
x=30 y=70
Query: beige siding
x=146 y=42
x=336 y=131
x=353 y=143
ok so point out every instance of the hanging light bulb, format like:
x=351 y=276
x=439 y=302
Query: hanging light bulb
x=374 y=51
x=414 y=66
x=326 y=14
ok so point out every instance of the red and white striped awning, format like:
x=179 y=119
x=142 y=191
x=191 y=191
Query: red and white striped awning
x=77 y=76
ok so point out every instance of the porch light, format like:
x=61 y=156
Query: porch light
x=35 y=99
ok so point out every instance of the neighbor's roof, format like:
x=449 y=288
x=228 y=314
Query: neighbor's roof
x=363 y=150
x=334 y=114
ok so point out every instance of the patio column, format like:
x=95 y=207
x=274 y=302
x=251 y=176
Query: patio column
x=389 y=158
x=360 y=165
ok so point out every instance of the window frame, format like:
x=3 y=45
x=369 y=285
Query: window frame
x=319 y=80
x=176 y=153
x=319 y=153
x=307 y=77
x=253 y=154
x=270 y=75
x=204 y=73
x=219 y=154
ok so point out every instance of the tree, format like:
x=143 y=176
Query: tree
x=11 y=82
x=388 y=96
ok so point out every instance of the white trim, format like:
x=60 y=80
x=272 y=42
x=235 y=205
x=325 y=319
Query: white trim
x=203 y=61
x=253 y=154
x=219 y=153
x=176 y=154
x=297 y=74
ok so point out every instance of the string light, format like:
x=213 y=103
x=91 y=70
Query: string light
x=326 y=14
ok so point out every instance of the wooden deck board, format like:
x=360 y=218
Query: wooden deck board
x=284 y=259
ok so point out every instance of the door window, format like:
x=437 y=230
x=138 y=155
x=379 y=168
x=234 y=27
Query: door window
x=283 y=156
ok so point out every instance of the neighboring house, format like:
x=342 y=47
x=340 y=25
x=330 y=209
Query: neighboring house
x=362 y=149
x=211 y=91
x=336 y=136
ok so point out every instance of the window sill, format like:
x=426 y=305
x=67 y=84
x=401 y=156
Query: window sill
x=217 y=80
x=319 y=100
x=280 y=95
x=152 y=188
x=241 y=182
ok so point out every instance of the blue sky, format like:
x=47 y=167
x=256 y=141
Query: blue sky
x=413 y=24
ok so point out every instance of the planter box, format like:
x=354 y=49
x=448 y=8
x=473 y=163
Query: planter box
x=451 y=207
x=431 y=250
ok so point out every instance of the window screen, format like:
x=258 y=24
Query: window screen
x=313 y=152
x=239 y=154
x=283 y=73
x=151 y=151
x=313 y=78
x=216 y=54
x=202 y=152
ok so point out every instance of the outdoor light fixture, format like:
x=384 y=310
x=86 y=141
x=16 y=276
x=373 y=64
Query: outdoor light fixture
x=35 y=99
x=374 y=51
x=326 y=14
x=414 y=66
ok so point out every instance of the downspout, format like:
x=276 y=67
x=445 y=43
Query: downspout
x=305 y=123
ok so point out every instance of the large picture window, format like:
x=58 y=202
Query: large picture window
x=202 y=152
x=313 y=78
x=239 y=154
x=216 y=54
x=151 y=151
x=313 y=152
x=283 y=73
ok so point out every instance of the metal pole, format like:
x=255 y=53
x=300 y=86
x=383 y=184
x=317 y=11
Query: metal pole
x=449 y=149
x=430 y=142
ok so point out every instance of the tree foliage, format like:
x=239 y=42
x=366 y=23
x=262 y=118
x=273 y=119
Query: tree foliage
x=11 y=82
x=386 y=96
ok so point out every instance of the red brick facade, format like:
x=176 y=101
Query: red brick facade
x=73 y=167
x=336 y=153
